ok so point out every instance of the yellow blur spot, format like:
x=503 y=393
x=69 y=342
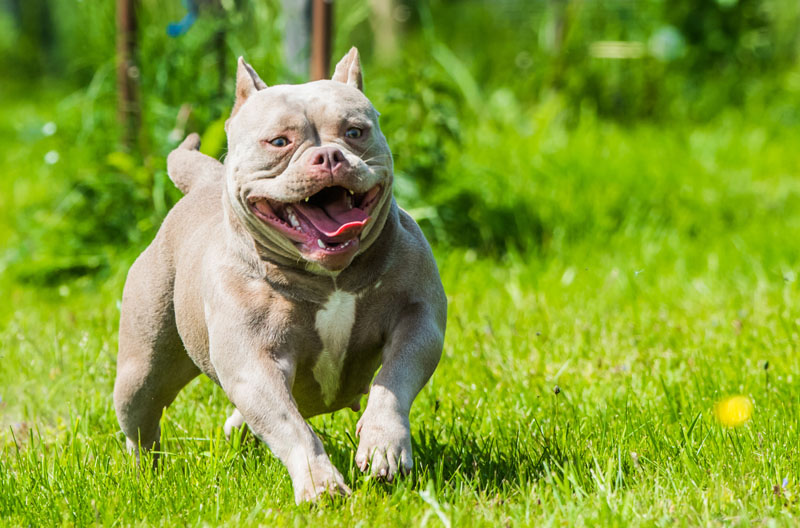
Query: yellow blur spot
x=733 y=411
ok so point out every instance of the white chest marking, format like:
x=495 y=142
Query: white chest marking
x=334 y=323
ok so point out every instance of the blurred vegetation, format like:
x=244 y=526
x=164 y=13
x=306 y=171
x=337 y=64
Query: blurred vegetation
x=498 y=114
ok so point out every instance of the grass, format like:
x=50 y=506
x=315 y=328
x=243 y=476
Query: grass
x=661 y=275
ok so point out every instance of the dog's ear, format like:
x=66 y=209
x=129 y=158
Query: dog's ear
x=247 y=83
x=348 y=71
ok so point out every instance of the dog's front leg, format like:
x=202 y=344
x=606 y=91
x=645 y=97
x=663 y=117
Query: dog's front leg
x=409 y=358
x=260 y=388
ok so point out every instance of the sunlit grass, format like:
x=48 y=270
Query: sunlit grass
x=640 y=358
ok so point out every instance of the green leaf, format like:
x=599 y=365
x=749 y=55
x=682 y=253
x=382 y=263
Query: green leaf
x=214 y=138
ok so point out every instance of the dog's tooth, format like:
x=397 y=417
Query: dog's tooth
x=293 y=220
x=306 y=200
x=350 y=191
x=320 y=243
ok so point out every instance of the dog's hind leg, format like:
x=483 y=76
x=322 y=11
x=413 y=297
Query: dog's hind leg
x=152 y=365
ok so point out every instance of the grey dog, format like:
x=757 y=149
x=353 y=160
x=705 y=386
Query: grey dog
x=288 y=276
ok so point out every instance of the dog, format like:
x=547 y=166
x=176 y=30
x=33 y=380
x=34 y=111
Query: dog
x=288 y=276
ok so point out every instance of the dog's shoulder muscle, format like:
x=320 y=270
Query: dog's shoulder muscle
x=414 y=250
x=415 y=276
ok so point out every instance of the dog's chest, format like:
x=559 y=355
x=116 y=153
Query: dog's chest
x=334 y=324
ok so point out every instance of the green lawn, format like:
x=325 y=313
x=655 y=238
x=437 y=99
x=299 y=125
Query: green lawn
x=666 y=277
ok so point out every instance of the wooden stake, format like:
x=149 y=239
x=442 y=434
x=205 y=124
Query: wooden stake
x=128 y=108
x=321 y=24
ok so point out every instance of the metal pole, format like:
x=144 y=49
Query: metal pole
x=321 y=24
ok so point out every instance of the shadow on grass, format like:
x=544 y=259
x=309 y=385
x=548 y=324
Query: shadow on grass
x=461 y=451
x=486 y=461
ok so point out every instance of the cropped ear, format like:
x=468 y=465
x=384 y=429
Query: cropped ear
x=348 y=71
x=247 y=83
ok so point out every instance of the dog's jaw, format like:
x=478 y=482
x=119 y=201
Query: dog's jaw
x=325 y=227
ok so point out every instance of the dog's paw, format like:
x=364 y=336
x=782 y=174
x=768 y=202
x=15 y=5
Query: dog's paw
x=385 y=445
x=319 y=479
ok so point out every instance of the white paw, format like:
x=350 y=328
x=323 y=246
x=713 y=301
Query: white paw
x=234 y=421
x=385 y=445
x=318 y=479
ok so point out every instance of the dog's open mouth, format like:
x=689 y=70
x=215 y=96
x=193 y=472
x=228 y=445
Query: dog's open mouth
x=330 y=220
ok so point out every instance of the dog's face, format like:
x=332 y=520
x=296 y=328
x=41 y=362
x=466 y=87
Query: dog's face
x=308 y=170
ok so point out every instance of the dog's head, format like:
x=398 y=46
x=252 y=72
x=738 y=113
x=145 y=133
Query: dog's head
x=308 y=170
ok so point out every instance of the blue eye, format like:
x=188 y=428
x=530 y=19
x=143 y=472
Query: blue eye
x=279 y=142
x=353 y=133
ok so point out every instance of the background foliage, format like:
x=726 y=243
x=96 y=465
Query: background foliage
x=453 y=106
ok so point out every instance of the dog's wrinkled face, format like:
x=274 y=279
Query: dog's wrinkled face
x=308 y=170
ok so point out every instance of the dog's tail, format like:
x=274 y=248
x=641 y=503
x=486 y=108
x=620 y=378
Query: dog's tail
x=189 y=168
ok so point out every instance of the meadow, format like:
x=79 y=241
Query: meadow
x=608 y=282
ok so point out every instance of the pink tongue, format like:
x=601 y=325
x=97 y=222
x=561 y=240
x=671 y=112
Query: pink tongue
x=334 y=220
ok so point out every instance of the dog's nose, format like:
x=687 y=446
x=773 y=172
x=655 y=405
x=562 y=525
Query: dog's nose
x=328 y=159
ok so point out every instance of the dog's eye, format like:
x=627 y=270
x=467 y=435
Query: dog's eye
x=353 y=133
x=279 y=142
